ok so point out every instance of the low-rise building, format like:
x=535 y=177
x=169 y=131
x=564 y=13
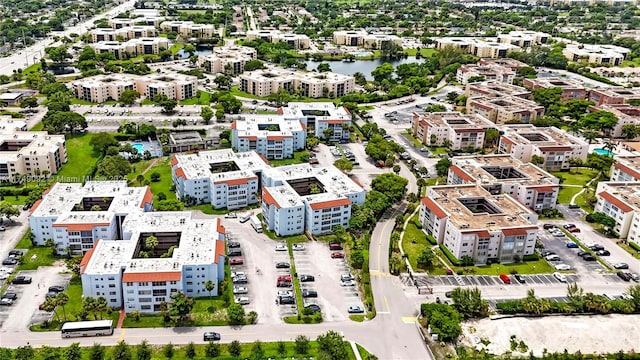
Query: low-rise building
x=461 y=131
x=189 y=29
x=502 y=174
x=221 y=178
x=496 y=89
x=11 y=98
x=135 y=277
x=272 y=136
x=28 y=153
x=74 y=215
x=490 y=72
x=295 y=41
x=621 y=201
x=145 y=20
x=624 y=113
x=470 y=221
x=101 y=88
x=571 y=89
x=318 y=117
x=596 y=53
x=524 y=38
x=264 y=82
x=613 y=95
x=505 y=110
x=380 y=41
x=557 y=147
x=483 y=48
x=132 y=48
x=122 y=34
x=349 y=37
x=299 y=198
x=227 y=59
x=626 y=169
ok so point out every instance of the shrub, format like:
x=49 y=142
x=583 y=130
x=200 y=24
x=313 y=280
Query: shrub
x=432 y=240
x=449 y=255
x=510 y=307
x=531 y=257
x=634 y=246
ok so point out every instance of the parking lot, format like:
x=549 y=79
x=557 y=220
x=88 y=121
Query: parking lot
x=487 y=280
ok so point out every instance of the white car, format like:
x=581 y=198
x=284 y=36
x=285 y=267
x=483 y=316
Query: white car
x=238 y=273
x=281 y=247
x=285 y=293
x=297 y=247
x=240 y=290
x=242 y=300
x=562 y=267
x=348 y=283
x=560 y=277
x=553 y=257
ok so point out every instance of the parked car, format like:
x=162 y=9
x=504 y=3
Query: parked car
x=346 y=277
x=355 y=309
x=635 y=277
x=15 y=253
x=562 y=267
x=240 y=280
x=314 y=307
x=309 y=293
x=337 y=255
x=348 y=283
x=240 y=290
x=582 y=253
x=56 y=288
x=574 y=207
x=547 y=253
x=211 y=336
x=588 y=257
x=281 y=247
x=335 y=246
x=26 y=280
x=284 y=278
x=234 y=252
x=283 y=265
x=603 y=253
x=236 y=261
x=242 y=300
x=297 y=247
x=573 y=230
x=505 y=278
x=284 y=284
x=572 y=245
x=569 y=226
x=9 y=261
x=596 y=247
x=9 y=295
x=558 y=234
x=560 y=276
x=548 y=226
x=553 y=258
x=307 y=278
x=6 y=302
x=624 y=276
x=238 y=273
x=521 y=279
x=621 y=265
x=233 y=244
x=285 y=293
x=51 y=294
x=231 y=215
x=286 y=300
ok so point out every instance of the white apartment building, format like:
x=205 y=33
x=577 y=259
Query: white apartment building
x=502 y=174
x=470 y=221
x=31 y=153
x=132 y=48
x=318 y=117
x=626 y=169
x=130 y=276
x=626 y=115
x=299 y=198
x=379 y=41
x=557 y=147
x=496 y=89
x=295 y=41
x=101 y=88
x=145 y=20
x=490 y=72
x=220 y=177
x=227 y=59
x=349 y=37
x=76 y=215
x=189 y=29
x=620 y=200
x=505 y=110
x=272 y=136
x=462 y=131
x=123 y=34
x=264 y=82
x=524 y=38
x=596 y=54
x=484 y=48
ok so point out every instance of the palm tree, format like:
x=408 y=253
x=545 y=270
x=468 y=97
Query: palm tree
x=575 y=294
x=49 y=305
x=101 y=305
x=62 y=299
x=530 y=303
x=140 y=179
x=590 y=136
x=89 y=306
x=209 y=286
x=394 y=264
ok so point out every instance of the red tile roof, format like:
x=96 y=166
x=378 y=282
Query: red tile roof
x=219 y=250
x=232 y=182
x=544 y=189
x=514 y=231
x=87 y=257
x=461 y=173
x=35 y=206
x=330 y=203
x=554 y=148
x=346 y=110
x=483 y=234
x=615 y=201
x=174 y=160
x=233 y=125
x=148 y=197
x=434 y=207
x=627 y=170
x=80 y=227
x=220 y=229
x=152 y=276
x=277 y=137
x=180 y=173
x=334 y=121
x=268 y=198
x=506 y=140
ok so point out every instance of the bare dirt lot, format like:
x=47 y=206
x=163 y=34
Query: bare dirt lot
x=590 y=334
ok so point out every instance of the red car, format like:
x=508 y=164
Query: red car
x=236 y=261
x=337 y=255
x=573 y=230
x=284 y=278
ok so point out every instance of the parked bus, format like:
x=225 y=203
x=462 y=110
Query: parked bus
x=257 y=225
x=87 y=328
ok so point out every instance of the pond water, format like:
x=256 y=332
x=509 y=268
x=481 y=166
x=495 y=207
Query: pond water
x=363 y=66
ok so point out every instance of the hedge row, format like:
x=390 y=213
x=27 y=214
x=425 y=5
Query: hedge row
x=454 y=261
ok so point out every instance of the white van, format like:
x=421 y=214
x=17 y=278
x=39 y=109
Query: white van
x=242 y=300
x=244 y=217
x=257 y=225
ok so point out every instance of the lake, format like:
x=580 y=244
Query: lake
x=363 y=66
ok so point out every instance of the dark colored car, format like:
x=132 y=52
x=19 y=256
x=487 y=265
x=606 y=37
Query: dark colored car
x=284 y=284
x=10 y=295
x=548 y=226
x=283 y=265
x=56 y=288
x=588 y=257
x=21 y=280
x=307 y=278
x=211 y=336
x=583 y=253
x=51 y=294
x=314 y=308
x=603 y=253
x=235 y=252
x=286 y=300
x=519 y=278
x=337 y=255
x=596 y=247
x=233 y=244
x=624 y=276
x=547 y=253
x=15 y=253
x=9 y=261
x=335 y=246
x=569 y=226
x=309 y=293
x=573 y=230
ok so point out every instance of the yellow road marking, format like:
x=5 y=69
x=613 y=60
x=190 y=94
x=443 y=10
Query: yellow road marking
x=121 y=338
x=379 y=273
x=408 y=319
x=386 y=303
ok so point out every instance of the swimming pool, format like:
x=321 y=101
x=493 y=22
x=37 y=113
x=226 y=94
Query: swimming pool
x=139 y=147
x=603 y=152
x=363 y=53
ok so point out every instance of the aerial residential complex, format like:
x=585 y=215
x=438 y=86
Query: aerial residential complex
x=311 y=84
x=364 y=39
x=496 y=89
x=221 y=178
x=557 y=147
x=132 y=48
x=272 y=136
x=489 y=72
x=125 y=33
x=613 y=95
x=295 y=41
x=502 y=110
x=76 y=215
x=596 y=54
x=300 y=198
x=227 y=59
x=34 y=153
x=134 y=277
x=317 y=117
x=101 y=88
x=470 y=221
x=621 y=201
x=626 y=169
x=461 y=131
x=483 y=48
x=148 y=19
x=502 y=174
x=524 y=39
x=571 y=89
x=189 y=29
x=625 y=114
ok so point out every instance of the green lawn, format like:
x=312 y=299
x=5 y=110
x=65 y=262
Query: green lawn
x=206 y=312
x=138 y=168
x=80 y=158
x=176 y=47
x=38 y=127
x=33 y=68
x=414 y=141
x=425 y=52
x=203 y=98
x=414 y=241
x=76 y=101
x=566 y=193
x=163 y=167
x=578 y=177
x=297 y=159
x=438 y=150
x=630 y=250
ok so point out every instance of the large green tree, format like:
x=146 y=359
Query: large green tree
x=180 y=307
x=469 y=303
x=113 y=167
x=128 y=97
x=393 y=186
x=332 y=346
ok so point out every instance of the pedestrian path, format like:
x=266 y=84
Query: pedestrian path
x=123 y=314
